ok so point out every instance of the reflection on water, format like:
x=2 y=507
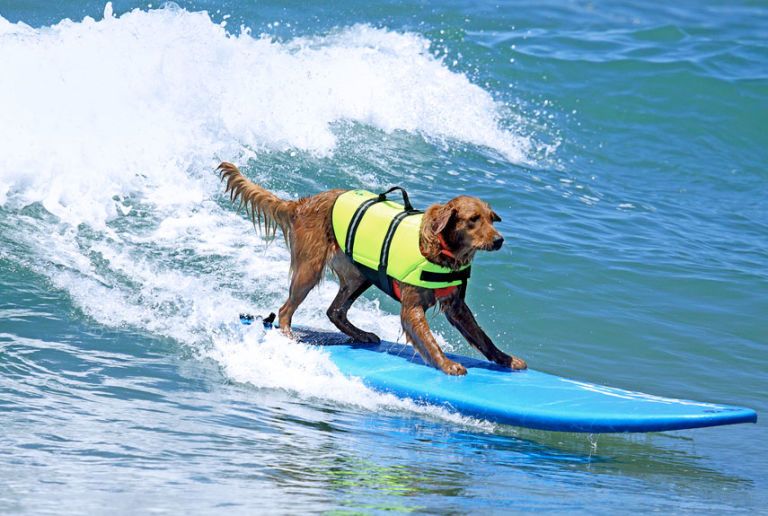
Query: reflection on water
x=403 y=462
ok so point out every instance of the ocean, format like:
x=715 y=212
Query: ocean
x=624 y=145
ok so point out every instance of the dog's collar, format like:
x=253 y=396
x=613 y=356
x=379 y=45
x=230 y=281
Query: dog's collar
x=444 y=250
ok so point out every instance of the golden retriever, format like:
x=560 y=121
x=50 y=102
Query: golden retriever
x=450 y=235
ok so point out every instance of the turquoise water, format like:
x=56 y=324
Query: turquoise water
x=623 y=145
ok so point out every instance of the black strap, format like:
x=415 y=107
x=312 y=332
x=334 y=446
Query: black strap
x=357 y=217
x=462 y=275
x=387 y=244
x=406 y=200
x=355 y=223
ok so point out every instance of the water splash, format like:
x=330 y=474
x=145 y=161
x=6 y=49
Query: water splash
x=139 y=103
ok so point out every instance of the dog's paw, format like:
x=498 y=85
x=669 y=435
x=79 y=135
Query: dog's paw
x=453 y=368
x=517 y=364
x=366 y=337
x=371 y=338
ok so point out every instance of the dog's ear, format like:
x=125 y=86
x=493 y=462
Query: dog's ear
x=495 y=217
x=442 y=217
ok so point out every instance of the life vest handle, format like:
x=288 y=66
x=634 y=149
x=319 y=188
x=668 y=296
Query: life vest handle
x=406 y=200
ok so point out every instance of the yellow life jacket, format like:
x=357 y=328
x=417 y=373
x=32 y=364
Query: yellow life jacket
x=381 y=238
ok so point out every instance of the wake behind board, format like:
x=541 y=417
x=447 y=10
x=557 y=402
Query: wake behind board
x=523 y=398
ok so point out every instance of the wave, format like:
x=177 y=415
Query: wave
x=106 y=182
x=120 y=105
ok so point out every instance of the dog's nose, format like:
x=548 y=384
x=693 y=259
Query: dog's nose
x=497 y=241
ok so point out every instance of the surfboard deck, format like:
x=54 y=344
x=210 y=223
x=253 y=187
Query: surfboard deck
x=527 y=398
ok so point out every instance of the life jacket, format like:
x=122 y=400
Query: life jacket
x=381 y=238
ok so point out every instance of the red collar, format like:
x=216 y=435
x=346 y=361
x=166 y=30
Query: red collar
x=444 y=247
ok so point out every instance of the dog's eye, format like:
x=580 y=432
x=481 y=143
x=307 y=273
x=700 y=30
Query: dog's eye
x=474 y=218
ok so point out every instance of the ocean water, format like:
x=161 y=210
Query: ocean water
x=624 y=145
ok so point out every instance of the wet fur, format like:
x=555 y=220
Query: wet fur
x=465 y=223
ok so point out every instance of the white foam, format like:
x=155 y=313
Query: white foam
x=114 y=126
x=270 y=360
x=94 y=109
x=153 y=295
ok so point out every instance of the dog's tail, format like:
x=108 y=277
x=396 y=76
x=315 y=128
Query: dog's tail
x=263 y=207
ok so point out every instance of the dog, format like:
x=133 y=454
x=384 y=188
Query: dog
x=449 y=236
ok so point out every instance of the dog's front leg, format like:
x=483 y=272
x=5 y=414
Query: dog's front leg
x=460 y=316
x=417 y=330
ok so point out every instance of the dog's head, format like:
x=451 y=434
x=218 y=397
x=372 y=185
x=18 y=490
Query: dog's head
x=465 y=224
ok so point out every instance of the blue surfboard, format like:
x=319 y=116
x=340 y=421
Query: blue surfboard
x=527 y=398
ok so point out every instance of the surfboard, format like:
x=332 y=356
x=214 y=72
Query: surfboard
x=528 y=398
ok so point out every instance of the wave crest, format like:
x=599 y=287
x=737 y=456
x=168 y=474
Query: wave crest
x=120 y=105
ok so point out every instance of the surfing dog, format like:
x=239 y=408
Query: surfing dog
x=449 y=236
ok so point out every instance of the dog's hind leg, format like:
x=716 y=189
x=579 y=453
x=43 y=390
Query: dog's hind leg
x=305 y=277
x=352 y=284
